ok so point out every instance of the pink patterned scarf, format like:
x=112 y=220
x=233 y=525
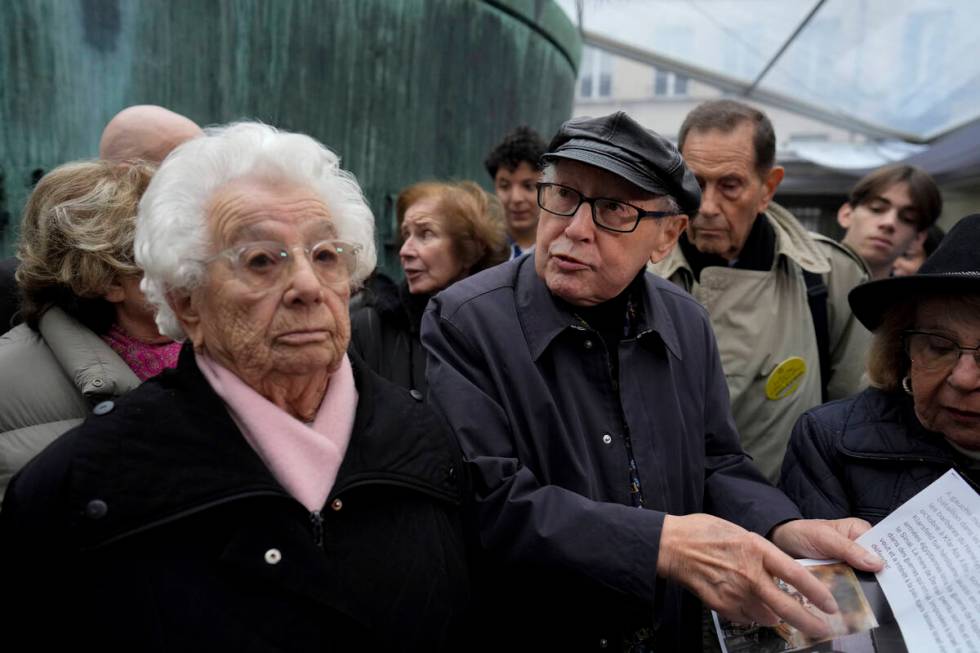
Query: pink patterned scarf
x=304 y=458
x=146 y=360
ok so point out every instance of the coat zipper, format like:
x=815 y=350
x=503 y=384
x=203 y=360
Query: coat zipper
x=317 y=520
x=925 y=460
x=187 y=513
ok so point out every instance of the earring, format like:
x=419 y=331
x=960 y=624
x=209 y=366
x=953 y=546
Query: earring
x=907 y=384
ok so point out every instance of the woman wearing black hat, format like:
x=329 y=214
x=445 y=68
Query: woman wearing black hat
x=866 y=455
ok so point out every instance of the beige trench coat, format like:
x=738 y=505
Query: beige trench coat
x=762 y=319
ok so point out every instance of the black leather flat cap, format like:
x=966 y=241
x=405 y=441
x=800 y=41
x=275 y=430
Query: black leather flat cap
x=622 y=146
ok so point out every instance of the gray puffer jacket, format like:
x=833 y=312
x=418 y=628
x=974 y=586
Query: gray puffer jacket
x=49 y=381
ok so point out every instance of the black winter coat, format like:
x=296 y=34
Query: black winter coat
x=155 y=527
x=864 y=457
x=385 y=321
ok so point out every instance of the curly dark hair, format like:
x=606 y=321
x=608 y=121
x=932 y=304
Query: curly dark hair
x=519 y=146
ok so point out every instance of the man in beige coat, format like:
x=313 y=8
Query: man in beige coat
x=750 y=263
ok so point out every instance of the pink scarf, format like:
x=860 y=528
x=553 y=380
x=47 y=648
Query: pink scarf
x=304 y=459
x=143 y=358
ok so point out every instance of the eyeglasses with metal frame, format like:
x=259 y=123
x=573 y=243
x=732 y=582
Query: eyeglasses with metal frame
x=262 y=264
x=935 y=352
x=609 y=214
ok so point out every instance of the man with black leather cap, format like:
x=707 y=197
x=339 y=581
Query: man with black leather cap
x=592 y=409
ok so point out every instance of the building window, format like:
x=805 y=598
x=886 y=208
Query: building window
x=680 y=84
x=595 y=77
x=668 y=84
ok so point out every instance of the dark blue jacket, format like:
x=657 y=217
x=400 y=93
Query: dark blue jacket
x=549 y=435
x=865 y=456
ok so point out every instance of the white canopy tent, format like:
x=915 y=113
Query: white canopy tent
x=892 y=69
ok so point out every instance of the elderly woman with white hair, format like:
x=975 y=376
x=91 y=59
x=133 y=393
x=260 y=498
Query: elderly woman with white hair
x=270 y=493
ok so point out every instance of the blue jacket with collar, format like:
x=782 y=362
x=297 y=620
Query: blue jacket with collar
x=549 y=436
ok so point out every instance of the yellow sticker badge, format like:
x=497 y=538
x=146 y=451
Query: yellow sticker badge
x=785 y=379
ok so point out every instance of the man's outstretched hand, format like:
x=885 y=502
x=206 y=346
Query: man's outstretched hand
x=732 y=570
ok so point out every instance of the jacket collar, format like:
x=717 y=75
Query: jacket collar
x=88 y=361
x=884 y=425
x=170 y=448
x=793 y=242
x=543 y=319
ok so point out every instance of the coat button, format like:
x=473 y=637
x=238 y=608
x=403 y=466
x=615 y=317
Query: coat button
x=96 y=509
x=97 y=383
x=606 y=438
x=103 y=407
x=336 y=505
x=273 y=556
x=416 y=394
x=452 y=473
x=587 y=344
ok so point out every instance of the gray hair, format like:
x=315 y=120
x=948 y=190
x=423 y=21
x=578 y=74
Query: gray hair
x=670 y=202
x=172 y=235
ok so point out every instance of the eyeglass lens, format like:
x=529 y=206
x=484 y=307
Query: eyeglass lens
x=562 y=200
x=935 y=351
x=263 y=264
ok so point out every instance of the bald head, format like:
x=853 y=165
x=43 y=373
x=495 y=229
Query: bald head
x=145 y=131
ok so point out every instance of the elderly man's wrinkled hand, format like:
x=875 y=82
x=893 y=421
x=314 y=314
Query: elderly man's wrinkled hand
x=825 y=538
x=732 y=570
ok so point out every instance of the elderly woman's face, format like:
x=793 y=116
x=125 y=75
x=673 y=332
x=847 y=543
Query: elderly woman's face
x=294 y=324
x=427 y=253
x=947 y=397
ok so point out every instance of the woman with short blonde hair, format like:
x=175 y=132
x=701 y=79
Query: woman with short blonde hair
x=89 y=334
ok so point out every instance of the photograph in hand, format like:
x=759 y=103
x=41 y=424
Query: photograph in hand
x=854 y=628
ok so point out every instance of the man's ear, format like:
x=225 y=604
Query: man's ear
x=671 y=229
x=770 y=182
x=188 y=314
x=844 y=215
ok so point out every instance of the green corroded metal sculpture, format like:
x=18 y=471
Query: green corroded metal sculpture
x=403 y=90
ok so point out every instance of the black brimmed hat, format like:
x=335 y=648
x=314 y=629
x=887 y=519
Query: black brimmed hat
x=622 y=146
x=953 y=268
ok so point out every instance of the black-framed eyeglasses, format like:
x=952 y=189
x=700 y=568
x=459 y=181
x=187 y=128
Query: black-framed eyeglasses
x=610 y=214
x=936 y=352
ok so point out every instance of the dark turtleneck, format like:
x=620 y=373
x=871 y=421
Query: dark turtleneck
x=611 y=319
x=757 y=253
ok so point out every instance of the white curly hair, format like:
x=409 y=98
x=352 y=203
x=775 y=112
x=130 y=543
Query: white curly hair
x=172 y=236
